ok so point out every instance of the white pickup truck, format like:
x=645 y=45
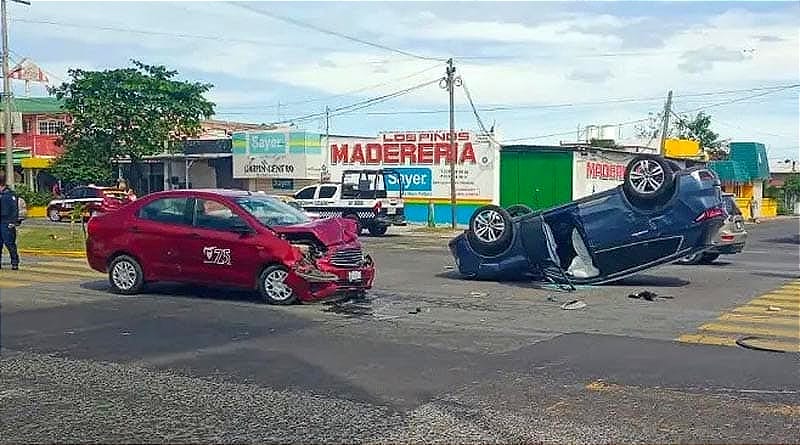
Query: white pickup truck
x=362 y=195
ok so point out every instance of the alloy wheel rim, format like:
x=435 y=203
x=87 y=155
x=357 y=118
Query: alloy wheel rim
x=124 y=275
x=54 y=215
x=275 y=285
x=489 y=226
x=647 y=176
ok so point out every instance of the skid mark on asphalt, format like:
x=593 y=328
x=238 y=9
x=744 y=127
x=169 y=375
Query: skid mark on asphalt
x=47 y=272
x=770 y=321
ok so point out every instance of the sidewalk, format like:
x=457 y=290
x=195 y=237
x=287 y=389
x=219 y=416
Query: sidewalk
x=427 y=232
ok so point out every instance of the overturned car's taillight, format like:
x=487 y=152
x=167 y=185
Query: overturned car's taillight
x=714 y=212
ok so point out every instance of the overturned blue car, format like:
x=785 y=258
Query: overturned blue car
x=659 y=214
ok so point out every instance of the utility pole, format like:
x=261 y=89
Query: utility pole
x=665 y=127
x=450 y=71
x=9 y=134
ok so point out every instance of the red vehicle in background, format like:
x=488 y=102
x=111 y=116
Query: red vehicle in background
x=231 y=238
x=94 y=200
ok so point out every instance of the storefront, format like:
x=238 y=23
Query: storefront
x=277 y=161
x=744 y=174
x=422 y=160
x=542 y=176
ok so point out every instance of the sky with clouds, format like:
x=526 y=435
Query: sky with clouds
x=533 y=68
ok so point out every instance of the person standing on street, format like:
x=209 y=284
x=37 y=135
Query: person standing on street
x=9 y=216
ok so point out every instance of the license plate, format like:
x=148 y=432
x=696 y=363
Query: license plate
x=354 y=275
x=738 y=226
x=391 y=211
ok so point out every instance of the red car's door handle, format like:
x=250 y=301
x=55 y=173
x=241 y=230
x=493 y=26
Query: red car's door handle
x=194 y=235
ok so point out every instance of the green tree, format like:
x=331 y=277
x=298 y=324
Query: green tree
x=696 y=128
x=125 y=113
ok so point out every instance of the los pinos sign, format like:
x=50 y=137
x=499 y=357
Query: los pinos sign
x=422 y=159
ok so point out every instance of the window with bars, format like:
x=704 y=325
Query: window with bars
x=51 y=127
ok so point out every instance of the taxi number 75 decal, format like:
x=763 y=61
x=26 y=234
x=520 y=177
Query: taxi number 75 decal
x=215 y=255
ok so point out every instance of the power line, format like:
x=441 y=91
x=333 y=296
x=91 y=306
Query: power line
x=333 y=33
x=348 y=93
x=362 y=104
x=577 y=104
x=742 y=99
x=171 y=34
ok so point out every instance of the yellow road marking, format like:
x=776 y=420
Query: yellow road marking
x=763 y=310
x=707 y=339
x=82 y=264
x=26 y=270
x=786 y=292
x=779 y=297
x=765 y=319
x=751 y=330
x=719 y=340
x=786 y=305
x=7 y=284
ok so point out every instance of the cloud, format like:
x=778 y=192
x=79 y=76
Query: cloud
x=590 y=75
x=769 y=39
x=699 y=60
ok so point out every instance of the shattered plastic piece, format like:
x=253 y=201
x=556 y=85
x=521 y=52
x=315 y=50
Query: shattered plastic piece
x=572 y=305
x=645 y=295
x=479 y=294
x=416 y=311
x=552 y=298
x=773 y=309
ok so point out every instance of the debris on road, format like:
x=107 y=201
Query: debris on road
x=479 y=294
x=552 y=299
x=649 y=296
x=416 y=311
x=773 y=309
x=573 y=305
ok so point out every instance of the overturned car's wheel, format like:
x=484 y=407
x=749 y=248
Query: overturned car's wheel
x=490 y=230
x=648 y=179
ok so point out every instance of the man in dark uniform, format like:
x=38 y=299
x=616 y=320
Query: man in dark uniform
x=9 y=216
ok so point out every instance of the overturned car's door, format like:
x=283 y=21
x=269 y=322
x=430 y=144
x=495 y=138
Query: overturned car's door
x=623 y=239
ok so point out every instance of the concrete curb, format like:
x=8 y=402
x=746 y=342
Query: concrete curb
x=56 y=253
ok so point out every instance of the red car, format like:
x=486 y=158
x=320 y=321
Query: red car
x=230 y=238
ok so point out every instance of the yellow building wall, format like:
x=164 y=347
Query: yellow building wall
x=682 y=148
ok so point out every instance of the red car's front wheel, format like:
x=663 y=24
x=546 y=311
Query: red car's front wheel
x=273 y=288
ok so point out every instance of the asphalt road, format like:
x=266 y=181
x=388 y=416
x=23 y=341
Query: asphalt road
x=429 y=358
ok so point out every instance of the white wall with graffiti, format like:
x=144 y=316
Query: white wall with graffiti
x=597 y=171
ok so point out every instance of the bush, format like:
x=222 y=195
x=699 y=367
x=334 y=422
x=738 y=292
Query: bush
x=33 y=199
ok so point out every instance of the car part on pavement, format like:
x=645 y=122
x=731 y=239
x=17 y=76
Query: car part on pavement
x=573 y=305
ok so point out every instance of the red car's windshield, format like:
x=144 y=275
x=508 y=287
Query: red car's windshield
x=272 y=212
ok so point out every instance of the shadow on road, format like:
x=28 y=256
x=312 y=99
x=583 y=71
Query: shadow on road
x=788 y=275
x=794 y=239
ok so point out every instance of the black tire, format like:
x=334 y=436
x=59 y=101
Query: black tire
x=694 y=258
x=648 y=178
x=519 y=210
x=125 y=275
x=490 y=230
x=53 y=215
x=354 y=217
x=708 y=258
x=378 y=230
x=268 y=289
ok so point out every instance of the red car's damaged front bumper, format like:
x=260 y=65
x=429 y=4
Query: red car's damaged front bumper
x=323 y=280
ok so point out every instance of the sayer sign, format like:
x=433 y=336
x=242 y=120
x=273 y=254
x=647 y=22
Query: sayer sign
x=425 y=147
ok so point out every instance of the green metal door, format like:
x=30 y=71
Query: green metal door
x=538 y=179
